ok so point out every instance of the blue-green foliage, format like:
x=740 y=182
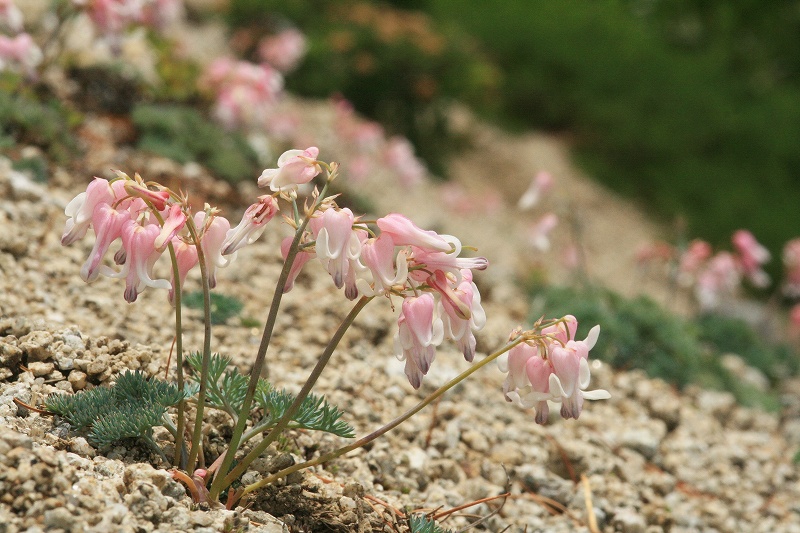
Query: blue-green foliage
x=227 y=388
x=638 y=333
x=420 y=523
x=131 y=408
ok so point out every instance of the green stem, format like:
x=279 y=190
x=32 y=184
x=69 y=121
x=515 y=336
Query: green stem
x=197 y=434
x=176 y=288
x=276 y=431
x=388 y=427
x=258 y=365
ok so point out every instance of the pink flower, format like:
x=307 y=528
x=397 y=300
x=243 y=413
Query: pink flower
x=19 y=54
x=212 y=239
x=386 y=269
x=556 y=371
x=173 y=223
x=141 y=256
x=300 y=259
x=692 y=259
x=791 y=264
x=80 y=209
x=252 y=225
x=462 y=311
x=246 y=92
x=108 y=224
x=338 y=247
x=404 y=232
x=186 y=257
x=540 y=185
x=295 y=167
x=284 y=50
x=720 y=277
x=431 y=261
x=419 y=332
x=751 y=256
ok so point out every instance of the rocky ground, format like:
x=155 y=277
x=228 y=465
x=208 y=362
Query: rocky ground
x=649 y=459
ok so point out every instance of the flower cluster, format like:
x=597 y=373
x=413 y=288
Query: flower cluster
x=552 y=366
x=145 y=219
x=424 y=268
x=111 y=17
x=18 y=53
x=246 y=92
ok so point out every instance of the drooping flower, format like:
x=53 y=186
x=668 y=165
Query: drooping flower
x=141 y=255
x=80 y=209
x=108 y=224
x=252 y=225
x=300 y=259
x=404 y=232
x=462 y=311
x=419 y=332
x=295 y=167
x=386 y=269
x=338 y=247
x=553 y=368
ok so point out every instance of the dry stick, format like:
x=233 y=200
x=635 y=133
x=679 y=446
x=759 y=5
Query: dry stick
x=587 y=497
x=20 y=403
x=552 y=506
x=255 y=372
x=197 y=434
x=307 y=386
x=444 y=514
x=385 y=429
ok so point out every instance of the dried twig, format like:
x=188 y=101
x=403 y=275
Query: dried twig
x=587 y=496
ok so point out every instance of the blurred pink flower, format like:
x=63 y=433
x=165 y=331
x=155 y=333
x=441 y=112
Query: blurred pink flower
x=400 y=157
x=10 y=16
x=539 y=234
x=540 y=186
x=20 y=54
x=791 y=264
x=752 y=256
x=283 y=50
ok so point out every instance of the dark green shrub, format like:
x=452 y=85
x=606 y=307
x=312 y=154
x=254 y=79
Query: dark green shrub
x=183 y=134
x=43 y=122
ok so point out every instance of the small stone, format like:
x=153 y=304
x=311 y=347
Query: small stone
x=77 y=379
x=629 y=521
x=58 y=518
x=475 y=440
x=40 y=369
x=36 y=345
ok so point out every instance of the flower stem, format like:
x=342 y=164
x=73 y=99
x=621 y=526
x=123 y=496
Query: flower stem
x=388 y=427
x=176 y=288
x=255 y=372
x=197 y=434
x=275 y=432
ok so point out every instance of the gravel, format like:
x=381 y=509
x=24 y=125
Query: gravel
x=655 y=459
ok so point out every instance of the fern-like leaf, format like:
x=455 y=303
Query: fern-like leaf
x=315 y=412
